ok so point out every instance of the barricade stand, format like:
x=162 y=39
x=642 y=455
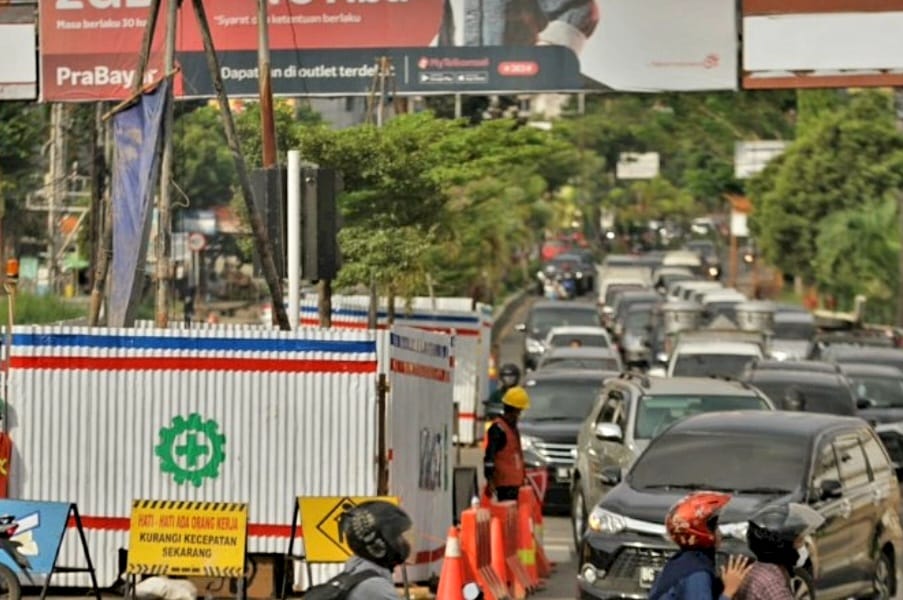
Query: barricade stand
x=187 y=539
x=476 y=538
x=37 y=529
x=526 y=547
x=323 y=542
x=543 y=565
x=516 y=577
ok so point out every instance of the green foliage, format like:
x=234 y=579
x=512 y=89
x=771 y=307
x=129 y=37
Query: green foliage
x=23 y=131
x=37 y=310
x=858 y=254
x=845 y=160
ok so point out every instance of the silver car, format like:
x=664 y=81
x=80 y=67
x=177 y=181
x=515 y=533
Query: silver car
x=630 y=411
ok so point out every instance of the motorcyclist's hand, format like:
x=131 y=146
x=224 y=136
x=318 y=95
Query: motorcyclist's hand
x=733 y=574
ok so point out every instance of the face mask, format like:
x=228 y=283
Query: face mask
x=803 y=554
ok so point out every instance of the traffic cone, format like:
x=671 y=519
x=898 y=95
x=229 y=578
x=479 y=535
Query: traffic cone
x=451 y=580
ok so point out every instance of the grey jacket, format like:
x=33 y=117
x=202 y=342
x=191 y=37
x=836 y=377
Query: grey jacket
x=375 y=588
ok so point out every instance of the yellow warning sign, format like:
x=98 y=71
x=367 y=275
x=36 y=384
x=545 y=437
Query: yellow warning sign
x=187 y=538
x=320 y=516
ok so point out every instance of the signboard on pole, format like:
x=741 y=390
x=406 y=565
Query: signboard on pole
x=89 y=48
x=635 y=165
x=19 y=69
x=751 y=157
x=822 y=43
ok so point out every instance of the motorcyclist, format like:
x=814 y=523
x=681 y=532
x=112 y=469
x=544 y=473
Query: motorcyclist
x=509 y=376
x=375 y=532
x=776 y=535
x=692 y=523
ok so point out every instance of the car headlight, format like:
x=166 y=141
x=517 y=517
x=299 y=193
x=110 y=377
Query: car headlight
x=534 y=346
x=734 y=530
x=579 y=275
x=528 y=443
x=603 y=521
x=780 y=355
x=713 y=271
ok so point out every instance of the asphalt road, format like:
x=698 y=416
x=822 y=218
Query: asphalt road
x=558 y=541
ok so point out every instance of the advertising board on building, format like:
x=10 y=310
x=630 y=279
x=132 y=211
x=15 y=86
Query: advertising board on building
x=89 y=48
x=822 y=43
x=18 y=70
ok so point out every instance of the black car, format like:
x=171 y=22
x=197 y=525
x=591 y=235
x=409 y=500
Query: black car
x=559 y=403
x=807 y=391
x=834 y=464
x=579 y=267
x=545 y=315
x=879 y=389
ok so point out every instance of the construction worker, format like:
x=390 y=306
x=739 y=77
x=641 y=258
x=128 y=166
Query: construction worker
x=503 y=463
x=509 y=376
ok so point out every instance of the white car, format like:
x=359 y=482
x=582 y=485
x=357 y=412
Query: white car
x=577 y=335
x=713 y=358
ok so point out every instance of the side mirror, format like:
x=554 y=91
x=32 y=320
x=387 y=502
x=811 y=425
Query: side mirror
x=830 y=489
x=522 y=327
x=609 y=432
x=863 y=403
x=611 y=475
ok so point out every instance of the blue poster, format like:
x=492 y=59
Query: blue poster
x=30 y=535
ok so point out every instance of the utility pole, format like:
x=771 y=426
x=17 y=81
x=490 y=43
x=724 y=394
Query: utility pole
x=164 y=206
x=898 y=106
x=267 y=121
x=261 y=242
x=58 y=188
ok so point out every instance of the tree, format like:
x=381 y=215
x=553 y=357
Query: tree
x=843 y=160
x=23 y=131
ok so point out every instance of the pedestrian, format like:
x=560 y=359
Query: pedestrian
x=692 y=524
x=776 y=536
x=376 y=532
x=503 y=462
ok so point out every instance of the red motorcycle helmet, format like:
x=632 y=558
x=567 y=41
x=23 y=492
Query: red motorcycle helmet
x=693 y=521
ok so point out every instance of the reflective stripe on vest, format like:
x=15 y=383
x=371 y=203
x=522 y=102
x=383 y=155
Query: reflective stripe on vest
x=509 y=461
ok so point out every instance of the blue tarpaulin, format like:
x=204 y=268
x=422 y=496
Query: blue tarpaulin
x=138 y=133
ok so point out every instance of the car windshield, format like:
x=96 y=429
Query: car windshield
x=544 y=320
x=733 y=462
x=613 y=290
x=794 y=331
x=638 y=320
x=655 y=413
x=593 y=364
x=570 y=400
x=833 y=400
x=590 y=340
x=885 y=392
x=711 y=365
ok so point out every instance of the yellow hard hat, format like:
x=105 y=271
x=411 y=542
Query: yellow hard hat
x=517 y=397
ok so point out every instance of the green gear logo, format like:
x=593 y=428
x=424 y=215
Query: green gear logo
x=191 y=450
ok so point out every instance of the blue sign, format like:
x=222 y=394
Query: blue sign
x=30 y=534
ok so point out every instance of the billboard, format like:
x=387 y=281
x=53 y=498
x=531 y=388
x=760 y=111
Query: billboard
x=331 y=47
x=822 y=43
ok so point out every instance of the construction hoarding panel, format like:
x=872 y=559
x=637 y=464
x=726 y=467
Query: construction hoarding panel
x=835 y=43
x=421 y=423
x=89 y=48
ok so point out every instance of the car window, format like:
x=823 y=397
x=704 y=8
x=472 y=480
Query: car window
x=711 y=365
x=853 y=466
x=541 y=321
x=590 y=340
x=655 y=413
x=789 y=395
x=885 y=391
x=877 y=457
x=614 y=410
x=552 y=400
x=590 y=364
x=826 y=468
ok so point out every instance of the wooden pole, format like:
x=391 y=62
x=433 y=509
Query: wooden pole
x=261 y=242
x=898 y=105
x=267 y=120
x=164 y=206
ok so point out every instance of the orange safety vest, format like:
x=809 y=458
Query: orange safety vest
x=509 y=461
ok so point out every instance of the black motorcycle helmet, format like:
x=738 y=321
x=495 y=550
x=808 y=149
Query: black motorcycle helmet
x=375 y=531
x=773 y=532
x=509 y=375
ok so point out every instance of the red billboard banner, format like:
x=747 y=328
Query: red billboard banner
x=89 y=48
x=822 y=43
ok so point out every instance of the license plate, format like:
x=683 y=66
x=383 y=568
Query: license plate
x=563 y=473
x=647 y=576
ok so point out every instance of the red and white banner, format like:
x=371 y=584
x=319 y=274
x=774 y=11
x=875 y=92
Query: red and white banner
x=822 y=43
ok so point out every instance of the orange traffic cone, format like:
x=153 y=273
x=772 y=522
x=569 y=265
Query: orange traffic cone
x=451 y=580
